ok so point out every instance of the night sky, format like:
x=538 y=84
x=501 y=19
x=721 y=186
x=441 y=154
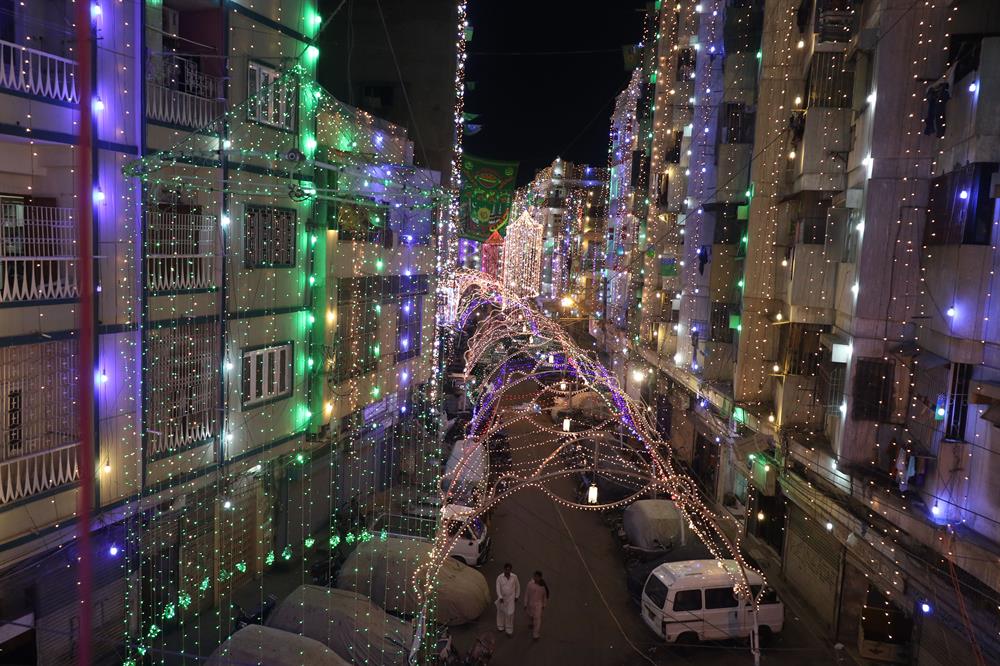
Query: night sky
x=535 y=108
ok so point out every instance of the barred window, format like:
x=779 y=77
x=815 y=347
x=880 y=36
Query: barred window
x=408 y=328
x=269 y=237
x=958 y=401
x=183 y=386
x=270 y=97
x=356 y=345
x=721 y=332
x=267 y=374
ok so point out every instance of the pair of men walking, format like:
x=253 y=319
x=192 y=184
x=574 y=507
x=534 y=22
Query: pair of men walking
x=536 y=597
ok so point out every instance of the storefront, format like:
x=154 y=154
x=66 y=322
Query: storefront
x=813 y=562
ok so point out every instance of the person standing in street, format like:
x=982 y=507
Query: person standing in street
x=536 y=597
x=508 y=592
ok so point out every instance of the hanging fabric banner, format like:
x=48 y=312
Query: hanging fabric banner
x=487 y=192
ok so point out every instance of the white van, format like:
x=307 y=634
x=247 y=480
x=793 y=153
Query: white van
x=472 y=545
x=695 y=598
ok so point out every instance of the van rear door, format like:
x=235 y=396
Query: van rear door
x=654 y=597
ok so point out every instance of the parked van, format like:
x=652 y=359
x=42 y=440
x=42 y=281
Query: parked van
x=473 y=543
x=695 y=598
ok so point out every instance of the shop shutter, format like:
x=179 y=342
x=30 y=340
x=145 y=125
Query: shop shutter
x=812 y=564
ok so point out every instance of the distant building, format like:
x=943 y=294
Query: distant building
x=522 y=260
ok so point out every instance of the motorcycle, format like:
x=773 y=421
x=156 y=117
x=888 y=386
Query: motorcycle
x=243 y=618
x=446 y=654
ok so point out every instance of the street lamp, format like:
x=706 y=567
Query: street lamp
x=592 y=494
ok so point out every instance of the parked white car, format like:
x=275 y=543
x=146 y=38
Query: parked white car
x=473 y=543
x=695 y=598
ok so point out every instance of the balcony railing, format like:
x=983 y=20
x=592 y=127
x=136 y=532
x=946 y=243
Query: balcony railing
x=37 y=253
x=180 y=252
x=38 y=472
x=37 y=73
x=179 y=94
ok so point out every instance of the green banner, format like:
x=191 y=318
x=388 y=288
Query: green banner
x=487 y=192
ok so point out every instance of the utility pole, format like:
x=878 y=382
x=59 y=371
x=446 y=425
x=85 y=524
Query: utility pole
x=85 y=372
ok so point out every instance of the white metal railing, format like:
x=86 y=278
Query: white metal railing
x=180 y=108
x=37 y=472
x=180 y=251
x=38 y=424
x=37 y=73
x=179 y=93
x=37 y=253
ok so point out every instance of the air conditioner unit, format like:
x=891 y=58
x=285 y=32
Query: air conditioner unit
x=171 y=21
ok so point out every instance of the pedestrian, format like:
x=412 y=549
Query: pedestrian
x=536 y=598
x=508 y=592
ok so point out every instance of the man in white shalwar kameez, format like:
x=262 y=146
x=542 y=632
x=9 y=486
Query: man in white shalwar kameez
x=508 y=591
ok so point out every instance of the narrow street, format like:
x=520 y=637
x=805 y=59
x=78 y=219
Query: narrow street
x=590 y=619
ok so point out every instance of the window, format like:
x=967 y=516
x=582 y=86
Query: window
x=736 y=123
x=872 y=389
x=408 y=327
x=830 y=83
x=270 y=97
x=182 y=367
x=267 y=374
x=269 y=237
x=721 y=332
x=831 y=378
x=720 y=597
x=656 y=591
x=770 y=596
x=958 y=401
x=802 y=351
x=687 y=600
x=685 y=64
x=960 y=207
x=356 y=344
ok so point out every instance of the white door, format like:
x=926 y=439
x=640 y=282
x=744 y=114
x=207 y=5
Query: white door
x=684 y=614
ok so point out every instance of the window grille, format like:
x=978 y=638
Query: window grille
x=267 y=374
x=182 y=375
x=357 y=348
x=270 y=237
x=270 y=97
x=958 y=401
x=831 y=82
x=720 y=322
x=180 y=249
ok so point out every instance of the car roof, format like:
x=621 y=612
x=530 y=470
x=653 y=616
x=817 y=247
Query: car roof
x=698 y=573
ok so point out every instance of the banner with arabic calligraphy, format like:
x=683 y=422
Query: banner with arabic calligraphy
x=487 y=193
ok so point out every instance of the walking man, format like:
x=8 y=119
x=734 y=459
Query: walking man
x=508 y=592
x=536 y=597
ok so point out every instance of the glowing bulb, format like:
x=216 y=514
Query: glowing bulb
x=784 y=263
x=98 y=105
x=964 y=194
x=107 y=468
x=566 y=425
x=227 y=504
x=791 y=155
x=871 y=98
x=801 y=44
x=775 y=367
x=779 y=316
x=770 y=419
x=798 y=100
x=936 y=510
x=951 y=311
x=592 y=494
x=113 y=551
x=855 y=288
x=95 y=10
x=925 y=608
x=973 y=87
x=98 y=194
x=760 y=515
x=829 y=526
x=224 y=220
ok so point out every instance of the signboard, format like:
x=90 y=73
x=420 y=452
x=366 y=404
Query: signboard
x=487 y=192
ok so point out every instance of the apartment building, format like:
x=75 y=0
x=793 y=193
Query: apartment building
x=817 y=347
x=247 y=228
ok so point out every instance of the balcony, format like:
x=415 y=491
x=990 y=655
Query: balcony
x=37 y=253
x=37 y=73
x=38 y=444
x=178 y=93
x=181 y=251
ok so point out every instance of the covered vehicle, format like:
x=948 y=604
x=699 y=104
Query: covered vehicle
x=346 y=622
x=653 y=526
x=585 y=403
x=384 y=571
x=255 y=644
x=637 y=572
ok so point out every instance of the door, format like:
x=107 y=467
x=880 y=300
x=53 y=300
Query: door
x=812 y=564
x=685 y=615
x=654 y=599
x=722 y=616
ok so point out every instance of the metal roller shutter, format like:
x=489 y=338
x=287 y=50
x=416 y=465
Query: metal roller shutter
x=812 y=564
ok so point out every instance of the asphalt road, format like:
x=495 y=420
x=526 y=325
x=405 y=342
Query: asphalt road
x=590 y=619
